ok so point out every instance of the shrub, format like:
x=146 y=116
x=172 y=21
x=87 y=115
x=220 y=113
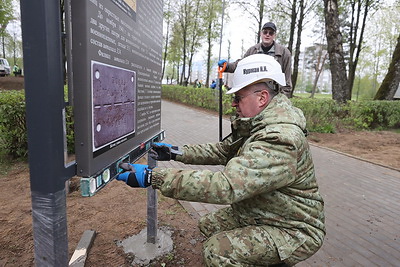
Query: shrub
x=374 y=114
x=199 y=97
x=69 y=124
x=13 y=134
x=322 y=115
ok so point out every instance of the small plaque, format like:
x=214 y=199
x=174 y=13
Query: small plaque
x=114 y=104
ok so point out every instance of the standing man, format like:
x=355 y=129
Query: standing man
x=276 y=213
x=16 y=70
x=270 y=47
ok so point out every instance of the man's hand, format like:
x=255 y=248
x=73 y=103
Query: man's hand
x=136 y=175
x=222 y=62
x=164 y=152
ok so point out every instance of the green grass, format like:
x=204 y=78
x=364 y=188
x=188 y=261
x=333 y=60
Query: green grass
x=327 y=96
x=307 y=95
x=4 y=163
x=7 y=164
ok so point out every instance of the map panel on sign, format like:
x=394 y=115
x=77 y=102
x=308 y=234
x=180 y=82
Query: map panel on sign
x=114 y=104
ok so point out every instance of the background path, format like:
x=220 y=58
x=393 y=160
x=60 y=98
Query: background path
x=362 y=200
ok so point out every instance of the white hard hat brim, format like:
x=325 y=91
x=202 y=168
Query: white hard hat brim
x=254 y=69
x=278 y=77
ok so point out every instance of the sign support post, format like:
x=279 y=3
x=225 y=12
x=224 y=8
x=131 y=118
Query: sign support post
x=151 y=207
x=41 y=31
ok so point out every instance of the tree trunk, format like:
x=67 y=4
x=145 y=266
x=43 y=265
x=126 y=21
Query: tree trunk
x=340 y=85
x=193 y=40
x=318 y=70
x=165 y=51
x=177 y=73
x=3 y=45
x=260 y=18
x=293 y=19
x=390 y=84
x=256 y=12
x=356 y=44
x=297 y=51
x=184 y=26
x=209 y=51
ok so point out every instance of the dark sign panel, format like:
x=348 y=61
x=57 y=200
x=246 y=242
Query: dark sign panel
x=116 y=79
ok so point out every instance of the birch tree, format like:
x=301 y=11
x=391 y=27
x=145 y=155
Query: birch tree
x=168 y=17
x=211 y=13
x=195 y=35
x=359 y=10
x=255 y=9
x=299 y=13
x=6 y=15
x=319 y=66
x=175 y=56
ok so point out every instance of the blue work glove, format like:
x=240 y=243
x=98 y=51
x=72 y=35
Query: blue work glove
x=164 y=152
x=136 y=175
x=222 y=62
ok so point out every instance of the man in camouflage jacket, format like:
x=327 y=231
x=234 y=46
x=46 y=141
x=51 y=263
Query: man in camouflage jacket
x=276 y=212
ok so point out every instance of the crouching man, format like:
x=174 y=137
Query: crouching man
x=276 y=213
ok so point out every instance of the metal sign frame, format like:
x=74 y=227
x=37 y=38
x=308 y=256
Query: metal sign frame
x=45 y=115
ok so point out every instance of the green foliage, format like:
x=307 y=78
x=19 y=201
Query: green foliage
x=199 y=97
x=325 y=115
x=364 y=88
x=374 y=114
x=69 y=123
x=6 y=14
x=13 y=132
x=13 y=136
x=316 y=95
x=322 y=114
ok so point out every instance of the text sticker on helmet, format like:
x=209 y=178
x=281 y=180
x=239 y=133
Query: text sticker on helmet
x=252 y=70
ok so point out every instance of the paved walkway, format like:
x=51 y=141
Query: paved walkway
x=362 y=200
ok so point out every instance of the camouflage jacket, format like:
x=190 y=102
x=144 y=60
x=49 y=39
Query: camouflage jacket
x=268 y=177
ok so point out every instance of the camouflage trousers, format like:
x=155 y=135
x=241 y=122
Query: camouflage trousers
x=232 y=244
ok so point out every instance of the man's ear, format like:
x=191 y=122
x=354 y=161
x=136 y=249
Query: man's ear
x=264 y=98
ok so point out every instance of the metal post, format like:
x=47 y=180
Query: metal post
x=220 y=80
x=49 y=223
x=44 y=93
x=151 y=208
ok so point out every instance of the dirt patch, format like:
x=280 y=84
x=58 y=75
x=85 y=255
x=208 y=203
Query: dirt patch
x=12 y=83
x=381 y=147
x=115 y=213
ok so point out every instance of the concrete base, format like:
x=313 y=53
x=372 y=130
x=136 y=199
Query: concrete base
x=145 y=252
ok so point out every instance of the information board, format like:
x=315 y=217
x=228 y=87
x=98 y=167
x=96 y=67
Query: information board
x=116 y=48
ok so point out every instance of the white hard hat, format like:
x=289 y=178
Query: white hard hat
x=256 y=68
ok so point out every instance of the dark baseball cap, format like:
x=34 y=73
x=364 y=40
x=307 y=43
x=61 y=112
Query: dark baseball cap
x=269 y=25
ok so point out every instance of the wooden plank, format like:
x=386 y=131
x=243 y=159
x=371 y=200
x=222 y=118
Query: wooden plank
x=78 y=259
